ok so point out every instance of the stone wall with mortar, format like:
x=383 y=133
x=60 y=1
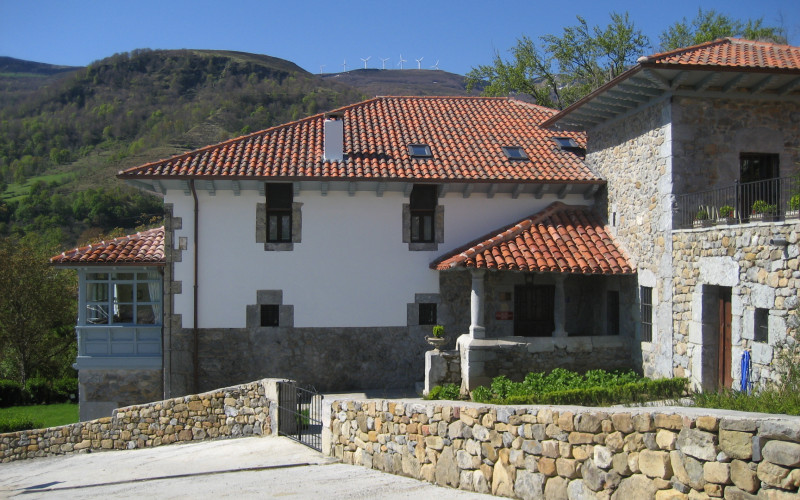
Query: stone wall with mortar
x=326 y=358
x=245 y=410
x=634 y=155
x=708 y=136
x=760 y=275
x=103 y=390
x=535 y=452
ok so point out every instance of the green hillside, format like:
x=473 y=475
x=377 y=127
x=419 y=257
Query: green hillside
x=65 y=133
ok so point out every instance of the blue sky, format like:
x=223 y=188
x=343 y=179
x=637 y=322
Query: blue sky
x=459 y=34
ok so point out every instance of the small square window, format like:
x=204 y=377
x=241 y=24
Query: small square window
x=419 y=151
x=761 y=325
x=270 y=315
x=427 y=314
x=515 y=153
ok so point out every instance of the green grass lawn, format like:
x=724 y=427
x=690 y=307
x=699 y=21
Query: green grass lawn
x=15 y=192
x=42 y=415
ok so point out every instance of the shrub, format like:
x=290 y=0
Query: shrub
x=447 y=391
x=10 y=393
x=596 y=387
x=438 y=331
x=726 y=211
x=15 y=424
x=794 y=202
x=702 y=214
x=762 y=207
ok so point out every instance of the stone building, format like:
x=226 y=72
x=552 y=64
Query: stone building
x=700 y=148
x=653 y=225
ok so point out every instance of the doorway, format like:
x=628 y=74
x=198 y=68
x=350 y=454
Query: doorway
x=717 y=338
x=533 y=310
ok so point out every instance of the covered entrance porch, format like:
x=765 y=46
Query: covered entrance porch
x=553 y=290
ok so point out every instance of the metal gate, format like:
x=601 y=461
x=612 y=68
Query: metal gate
x=300 y=414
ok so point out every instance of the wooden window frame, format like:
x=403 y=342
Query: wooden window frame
x=279 y=213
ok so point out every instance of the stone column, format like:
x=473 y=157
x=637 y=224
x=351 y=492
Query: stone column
x=559 y=307
x=477 y=330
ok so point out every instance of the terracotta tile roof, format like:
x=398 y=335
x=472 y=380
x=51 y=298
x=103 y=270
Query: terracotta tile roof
x=143 y=248
x=732 y=52
x=559 y=239
x=465 y=134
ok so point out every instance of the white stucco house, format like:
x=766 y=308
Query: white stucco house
x=325 y=249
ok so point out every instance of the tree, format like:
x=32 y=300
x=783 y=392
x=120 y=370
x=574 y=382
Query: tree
x=711 y=25
x=585 y=58
x=37 y=310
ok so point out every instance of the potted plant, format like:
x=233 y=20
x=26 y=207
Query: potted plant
x=437 y=338
x=726 y=213
x=762 y=211
x=794 y=206
x=701 y=218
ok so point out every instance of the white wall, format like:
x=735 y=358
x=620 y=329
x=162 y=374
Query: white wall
x=351 y=268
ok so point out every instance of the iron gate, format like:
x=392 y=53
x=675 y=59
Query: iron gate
x=300 y=414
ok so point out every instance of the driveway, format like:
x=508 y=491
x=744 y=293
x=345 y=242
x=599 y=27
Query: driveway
x=267 y=467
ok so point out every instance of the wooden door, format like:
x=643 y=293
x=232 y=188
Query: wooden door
x=725 y=379
x=533 y=310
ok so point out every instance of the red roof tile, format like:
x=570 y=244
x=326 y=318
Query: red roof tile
x=560 y=239
x=465 y=134
x=143 y=248
x=732 y=52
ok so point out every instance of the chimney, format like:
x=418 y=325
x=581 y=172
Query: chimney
x=334 y=137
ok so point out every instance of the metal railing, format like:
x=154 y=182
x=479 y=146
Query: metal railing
x=767 y=200
x=300 y=414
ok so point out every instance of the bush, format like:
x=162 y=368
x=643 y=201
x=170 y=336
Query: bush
x=448 y=391
x=14 y=424
x=42 y=391
x=10 y=393
x=726 y=211
x=794 y=202
x=595 y=388
x=762 y=207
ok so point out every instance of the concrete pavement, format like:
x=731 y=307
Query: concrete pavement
x=266 y=467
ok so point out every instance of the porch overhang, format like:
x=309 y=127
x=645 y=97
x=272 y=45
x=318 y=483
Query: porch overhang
x=560 y=239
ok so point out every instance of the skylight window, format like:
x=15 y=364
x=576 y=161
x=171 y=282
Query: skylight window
x=419 y=150
x=515 y=153
x=566 y=142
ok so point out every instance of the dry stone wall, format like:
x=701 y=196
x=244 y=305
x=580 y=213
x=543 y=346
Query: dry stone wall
x=244 y=410
x=571 y=452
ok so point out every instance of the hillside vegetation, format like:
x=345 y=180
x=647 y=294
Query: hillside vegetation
x=63 y=139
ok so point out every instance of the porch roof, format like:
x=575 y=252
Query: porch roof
x=142 y=248
x=560 y=239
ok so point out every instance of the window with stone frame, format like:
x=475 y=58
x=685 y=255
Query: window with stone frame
x=279 y=213
x=423 y=213
x=646 y=303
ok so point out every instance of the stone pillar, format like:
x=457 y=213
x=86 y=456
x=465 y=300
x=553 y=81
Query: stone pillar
x=559 y=307
x=435 y=370
x=477 y=330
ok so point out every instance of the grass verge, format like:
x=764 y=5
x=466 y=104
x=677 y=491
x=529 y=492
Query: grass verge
x=17 y=418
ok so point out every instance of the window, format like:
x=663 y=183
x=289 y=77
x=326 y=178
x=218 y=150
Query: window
x=515 y=153
x=270 y=315
x=423 y=211
x=279 y=213
x=123 y=298
x=646 y=301
x=419 y=151
x=761 y=325
x=565 y=142
x=612 y=313
x=427 y=314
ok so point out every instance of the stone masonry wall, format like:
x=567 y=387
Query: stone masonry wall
x=634 y=156
x=760 y=274
x=245 y=410
x=571 y=452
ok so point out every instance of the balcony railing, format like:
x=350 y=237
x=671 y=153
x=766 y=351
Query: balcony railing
x=767 y=200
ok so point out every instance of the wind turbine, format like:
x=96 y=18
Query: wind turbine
x=321 y=67
x=419 y=62
x=435 y=66
x=365 y=61
x=344 y=66
x=383 y=61
x=401 y=61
